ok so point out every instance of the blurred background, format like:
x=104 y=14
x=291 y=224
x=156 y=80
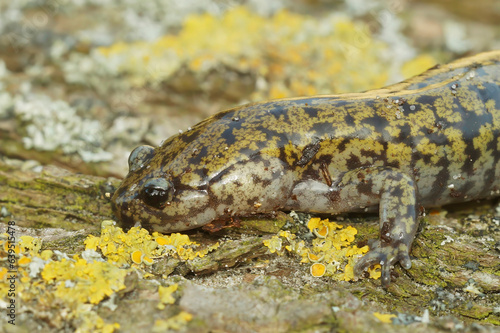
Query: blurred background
x=83 y=82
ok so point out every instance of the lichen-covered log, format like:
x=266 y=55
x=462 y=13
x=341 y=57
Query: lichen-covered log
x=455 y=269
x=52 y=197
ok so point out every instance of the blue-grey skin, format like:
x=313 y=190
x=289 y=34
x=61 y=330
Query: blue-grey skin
x=428 y=141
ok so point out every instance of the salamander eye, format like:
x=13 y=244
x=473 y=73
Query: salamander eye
x=139 y=156
x=157 y=192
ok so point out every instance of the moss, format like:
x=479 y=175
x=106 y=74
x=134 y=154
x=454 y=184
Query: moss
x=271 y=226
x=475 y=311
x=228 y=254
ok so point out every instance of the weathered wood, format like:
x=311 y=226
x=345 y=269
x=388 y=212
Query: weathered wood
x=54 y=197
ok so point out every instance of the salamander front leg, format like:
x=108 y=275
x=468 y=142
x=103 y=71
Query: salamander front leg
x=398 y=216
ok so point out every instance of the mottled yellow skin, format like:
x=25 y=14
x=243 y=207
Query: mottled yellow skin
x=428 y=141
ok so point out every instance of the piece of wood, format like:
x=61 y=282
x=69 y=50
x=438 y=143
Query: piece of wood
x=53 y=197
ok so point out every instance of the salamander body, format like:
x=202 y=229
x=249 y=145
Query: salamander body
x=428 y=141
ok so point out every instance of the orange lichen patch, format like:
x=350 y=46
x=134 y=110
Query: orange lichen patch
x=318 y=270
x=313 y=257
x=384 y=317
x=162 y=240
x=166 y=295
x=136 y=257
x=331 y=253
x=24 y=261
x=321 y=233
x=147 y=261
x=138 y=246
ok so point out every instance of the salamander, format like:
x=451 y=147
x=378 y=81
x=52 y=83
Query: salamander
x=428 y=141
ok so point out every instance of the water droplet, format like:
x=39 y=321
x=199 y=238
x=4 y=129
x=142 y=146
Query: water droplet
x=180 y=131
x=189 y=128
x=451 y=186
x=412 y=107
x=236 y=119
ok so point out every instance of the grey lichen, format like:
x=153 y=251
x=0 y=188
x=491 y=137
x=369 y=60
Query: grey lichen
x=50 y=125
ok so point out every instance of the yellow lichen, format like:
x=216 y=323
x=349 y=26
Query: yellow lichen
x=89 y=322
x=46 y=254
x=176 y=322
x=375 y=271
x=138 y=246
x=384 y=317
x=274 y=244
x=331 y=253
x=24 y=261
x=30 y=244
x=417 y=65
x=166 y=295
x=318 y=270
x=7 y=247
x=80 y=281
x=285 y=52
x=72 y=283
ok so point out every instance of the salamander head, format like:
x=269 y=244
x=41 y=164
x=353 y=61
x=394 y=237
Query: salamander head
x=224 y=166
x=151 y=196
